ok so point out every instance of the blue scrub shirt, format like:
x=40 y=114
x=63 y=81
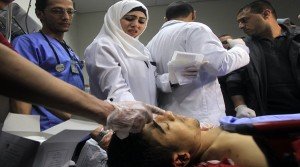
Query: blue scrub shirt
x=36 y=49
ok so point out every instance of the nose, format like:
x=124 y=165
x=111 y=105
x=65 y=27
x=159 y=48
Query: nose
x=134 y=23
x=66 y=15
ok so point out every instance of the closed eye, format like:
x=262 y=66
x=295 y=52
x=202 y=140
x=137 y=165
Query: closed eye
x=155 y=125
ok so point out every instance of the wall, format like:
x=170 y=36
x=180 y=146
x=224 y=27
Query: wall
x=70 y=37
x=219 y=15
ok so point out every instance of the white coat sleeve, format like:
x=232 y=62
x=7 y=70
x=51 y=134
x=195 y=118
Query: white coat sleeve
x=220 y=61
x=104 y=69
x=163 y=82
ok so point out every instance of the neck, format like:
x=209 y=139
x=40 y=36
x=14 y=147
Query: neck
x=207 y=140
x=57 y=35
x=273 y=32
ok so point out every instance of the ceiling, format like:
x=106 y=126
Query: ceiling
x=85 y=6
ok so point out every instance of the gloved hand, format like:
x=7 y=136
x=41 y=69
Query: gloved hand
x=243 y=111
x=191 y=72
x=131 y=117
x=238 y=42
x=233 y=42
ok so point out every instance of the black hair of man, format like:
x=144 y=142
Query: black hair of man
x=258 y=7
x=40 y=5
x=135 y=151
x=6 y=1
x=178 y=9
x=139 y=8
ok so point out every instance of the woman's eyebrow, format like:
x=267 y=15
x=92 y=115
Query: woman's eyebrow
x=155 y=125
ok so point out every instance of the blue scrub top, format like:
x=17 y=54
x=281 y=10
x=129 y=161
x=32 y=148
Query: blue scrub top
x=36 y=49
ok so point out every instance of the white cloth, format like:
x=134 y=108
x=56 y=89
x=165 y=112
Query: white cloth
x=112 y=27
x=202 y=99
x=92 y=155
x=116 y=71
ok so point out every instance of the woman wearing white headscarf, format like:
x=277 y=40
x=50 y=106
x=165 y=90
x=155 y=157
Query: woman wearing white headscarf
x=118 y=64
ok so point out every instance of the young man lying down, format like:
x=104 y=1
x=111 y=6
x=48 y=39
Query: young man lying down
x=176 y=141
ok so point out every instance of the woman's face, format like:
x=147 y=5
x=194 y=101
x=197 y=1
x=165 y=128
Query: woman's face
x=174 y=130
x=134 y=23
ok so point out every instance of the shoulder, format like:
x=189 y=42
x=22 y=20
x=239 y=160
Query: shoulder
x=102 y=45
x=27 y=38
x=197 y=26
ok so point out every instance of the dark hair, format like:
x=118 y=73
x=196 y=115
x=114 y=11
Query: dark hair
x=41 y=5
x=135 y=151
x=178 y=9
x=259 y=6
x=141 y=9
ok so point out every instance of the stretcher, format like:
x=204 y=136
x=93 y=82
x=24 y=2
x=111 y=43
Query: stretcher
x=278 y=136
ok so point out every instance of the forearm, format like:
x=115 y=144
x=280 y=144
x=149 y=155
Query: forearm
x=238 y=100
x=25 y=81
x=20 y=107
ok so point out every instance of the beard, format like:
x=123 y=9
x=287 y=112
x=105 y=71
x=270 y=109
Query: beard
x=7 y=1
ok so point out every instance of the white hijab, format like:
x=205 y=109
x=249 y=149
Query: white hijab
x=112 y=27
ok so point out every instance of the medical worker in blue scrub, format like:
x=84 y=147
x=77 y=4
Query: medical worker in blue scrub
x=48 y=50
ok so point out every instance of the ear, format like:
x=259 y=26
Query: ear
x=181 y=159
x=267 y=13
x=39 y=14
x=194 y=15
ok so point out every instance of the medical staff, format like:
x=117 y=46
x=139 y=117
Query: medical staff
x=23 y=80
x=118 y=64
x=202 y=99
x=48 y=50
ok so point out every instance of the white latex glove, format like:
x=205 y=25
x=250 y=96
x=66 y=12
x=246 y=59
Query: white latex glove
x=243 y=111
x=191 y=72
x=131 y=117
x=238 y=43
x=233 y=42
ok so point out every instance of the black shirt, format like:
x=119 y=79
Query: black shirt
x=283 y=96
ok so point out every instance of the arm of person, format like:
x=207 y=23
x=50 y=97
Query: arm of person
x=220 y=61
x=27 y=82
x=105 y=70
x=236 y=91
x=163 y=83
x=20 y=107
x=63 y=115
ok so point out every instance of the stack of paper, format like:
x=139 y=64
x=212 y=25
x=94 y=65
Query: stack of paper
x=179 y=62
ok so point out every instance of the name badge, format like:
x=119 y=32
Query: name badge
x=60 y=67
x=74 y=68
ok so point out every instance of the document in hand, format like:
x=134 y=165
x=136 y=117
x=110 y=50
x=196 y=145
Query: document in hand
x=179 y=62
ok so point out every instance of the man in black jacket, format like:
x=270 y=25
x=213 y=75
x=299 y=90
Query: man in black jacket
x=270 y=83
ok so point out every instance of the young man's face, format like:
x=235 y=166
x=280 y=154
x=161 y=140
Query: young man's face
x=170 y=130
x=251 y=23
x=58 y=15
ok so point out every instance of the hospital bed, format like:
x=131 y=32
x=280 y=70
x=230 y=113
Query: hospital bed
x=277 y=135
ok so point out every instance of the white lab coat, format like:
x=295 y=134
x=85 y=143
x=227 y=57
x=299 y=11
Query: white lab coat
x=202 y=99
x=117 y=77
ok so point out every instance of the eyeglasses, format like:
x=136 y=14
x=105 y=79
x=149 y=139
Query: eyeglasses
x=62 y=11
x=130 y=18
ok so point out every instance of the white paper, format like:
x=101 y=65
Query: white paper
x=21 y=123
x=73 y=124
x=179 y=62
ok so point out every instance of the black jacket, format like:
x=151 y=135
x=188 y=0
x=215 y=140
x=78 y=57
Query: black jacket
x=250 y=82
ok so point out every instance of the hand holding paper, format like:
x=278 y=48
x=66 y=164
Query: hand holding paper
x=184 y=67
